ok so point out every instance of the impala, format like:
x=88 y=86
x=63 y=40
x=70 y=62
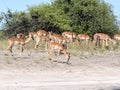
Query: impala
x=59 y=39
x=103 y=38
x=83 y=37
x=42 y=33
x=38 y=39
x=17 y=41
x=117 y=36
x=69 y=35
x=33 y=35
x=54 y=46
x=21 y=35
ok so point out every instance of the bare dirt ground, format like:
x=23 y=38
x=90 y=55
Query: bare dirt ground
x=35 y=72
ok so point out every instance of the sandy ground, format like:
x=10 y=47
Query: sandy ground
x=35 y=72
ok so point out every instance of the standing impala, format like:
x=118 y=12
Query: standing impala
x=17 y=41
x=54 y=46
x=39 y=38
x=117 y=36
x=83 y=37
x=59 y=39
x=103 y=38
x=70 y=35
x=42 y=33
x=33 y=35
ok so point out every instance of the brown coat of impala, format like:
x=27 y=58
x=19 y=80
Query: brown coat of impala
x=21 y=35
x=70 y=35
x=42 y=33
x=38 y=39
x=104 y=38
x=33 y=35
x=81 y=37
x=54 y=46
x=58 y=38
x=117 y=37
x=17 y=41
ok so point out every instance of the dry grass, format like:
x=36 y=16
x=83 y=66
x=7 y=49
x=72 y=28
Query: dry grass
x=3 y=44
x=75 y=48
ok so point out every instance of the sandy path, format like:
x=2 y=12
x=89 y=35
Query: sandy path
x=52 y=82
x=35 y=72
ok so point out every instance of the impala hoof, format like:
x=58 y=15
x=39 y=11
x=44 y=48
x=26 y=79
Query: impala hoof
x=50 y=59
x=6 y=54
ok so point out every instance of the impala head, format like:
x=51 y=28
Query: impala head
x=21 y=35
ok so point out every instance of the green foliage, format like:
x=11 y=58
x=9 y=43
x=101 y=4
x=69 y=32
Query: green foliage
x=80 y=16
x=16 y=22
x=49 y=18
x=91 y=16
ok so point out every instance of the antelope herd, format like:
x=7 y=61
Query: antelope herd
x=59 y=43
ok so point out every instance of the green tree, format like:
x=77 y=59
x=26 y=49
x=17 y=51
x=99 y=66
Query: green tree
x=89 y=16
x=80 y=16
x=50 y=18
x=16 y=22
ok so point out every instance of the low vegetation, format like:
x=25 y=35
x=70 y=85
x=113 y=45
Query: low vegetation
x=78 y=16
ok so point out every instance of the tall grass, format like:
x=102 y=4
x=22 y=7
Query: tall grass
x=3 y=40
x=75 y=48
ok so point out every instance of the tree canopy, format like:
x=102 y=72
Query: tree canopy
x=79 y=16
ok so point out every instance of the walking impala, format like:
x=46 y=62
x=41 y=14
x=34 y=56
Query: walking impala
x=70 y=35
x=117 y=36
x=83 y=37
x=39 y=38
x=42 y=33
x=54 y=46
x=103 y=38
x=59 y=39
x=33 y=35
x=17 y=41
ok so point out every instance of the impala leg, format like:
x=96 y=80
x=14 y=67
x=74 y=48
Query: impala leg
x=37 y=44
x=67 y=55
x=46 y=46
x=50 y=54
x=58 y=54
x=10 y=49
x=103 y=43
x=106 y=42
x=21 y=50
